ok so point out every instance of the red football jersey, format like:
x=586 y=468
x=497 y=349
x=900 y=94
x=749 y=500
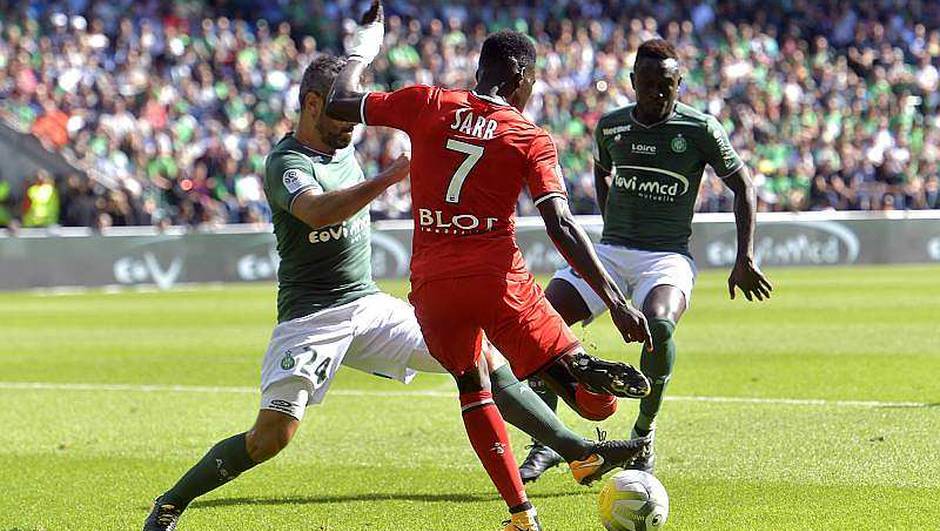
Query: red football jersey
x=471 y=156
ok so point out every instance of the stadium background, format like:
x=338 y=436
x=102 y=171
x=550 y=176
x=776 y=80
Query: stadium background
x=165 y=109
x=815 y=410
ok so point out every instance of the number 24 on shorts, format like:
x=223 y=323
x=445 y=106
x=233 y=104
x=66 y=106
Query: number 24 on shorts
x=289 y=360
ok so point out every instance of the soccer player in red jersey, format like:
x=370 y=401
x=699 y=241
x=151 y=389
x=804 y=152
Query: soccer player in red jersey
x=472 y=153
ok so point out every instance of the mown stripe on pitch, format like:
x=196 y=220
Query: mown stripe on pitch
x=146 y=388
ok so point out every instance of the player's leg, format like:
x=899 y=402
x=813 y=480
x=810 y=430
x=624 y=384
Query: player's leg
x=568 y=303
x=297 y=370
x=664 y=283
x=389 y=343
x=231 y=457
x=531 y=335
x=573 y=309
x=583 y=381
x=226 y=460
x=663 y=308
x=575 y=302
x=456 y=341
x=488 y=435
x=522 y=408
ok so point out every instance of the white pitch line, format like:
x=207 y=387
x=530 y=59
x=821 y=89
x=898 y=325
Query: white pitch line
x=798 y=401
x=143 y=388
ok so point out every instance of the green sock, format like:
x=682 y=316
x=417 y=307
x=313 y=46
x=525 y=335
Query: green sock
x=657 y=366
x=547 y=395
x=223 y=463
x=522 y=408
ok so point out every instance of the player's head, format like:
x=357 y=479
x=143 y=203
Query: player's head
x=507 y=61
x=656 y=77
x=314 y=89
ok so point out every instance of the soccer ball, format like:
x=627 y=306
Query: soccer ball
x=633 y=501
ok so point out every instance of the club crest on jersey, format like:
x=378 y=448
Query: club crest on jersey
x=467 y=123
x=679 y=144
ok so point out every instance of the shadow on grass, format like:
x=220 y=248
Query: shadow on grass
x=342 y=498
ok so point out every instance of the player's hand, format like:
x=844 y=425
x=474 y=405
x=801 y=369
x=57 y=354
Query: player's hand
x=397 y=171
x=632 y=324
x=368 y=37
x=376 y=13
x=747 y=277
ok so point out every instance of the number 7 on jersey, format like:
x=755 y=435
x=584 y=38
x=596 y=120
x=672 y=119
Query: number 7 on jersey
x=474 y=154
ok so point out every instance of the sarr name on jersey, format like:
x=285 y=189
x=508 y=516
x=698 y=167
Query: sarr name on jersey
x=435 y=220
x=478 y=126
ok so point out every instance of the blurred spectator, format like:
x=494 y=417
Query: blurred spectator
x=174 y=105
x=41 y=207
x=6 y=204
x=79 y=208
x=52 y=126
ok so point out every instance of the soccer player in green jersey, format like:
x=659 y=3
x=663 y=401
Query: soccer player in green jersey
x=648 y=163
x=331 y=313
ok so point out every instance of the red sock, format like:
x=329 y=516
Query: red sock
x=490 y=440
x=593 y=406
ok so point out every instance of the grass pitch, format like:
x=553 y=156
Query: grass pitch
x=817 y=410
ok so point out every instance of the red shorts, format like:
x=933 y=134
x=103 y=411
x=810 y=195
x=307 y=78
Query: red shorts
x=515 y=316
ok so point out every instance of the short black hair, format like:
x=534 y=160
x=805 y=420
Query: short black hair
x=658 y=49
x=508 y=48
x=320 y=75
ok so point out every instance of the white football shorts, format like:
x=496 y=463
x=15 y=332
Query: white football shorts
x=636 y=273
x=377 y=334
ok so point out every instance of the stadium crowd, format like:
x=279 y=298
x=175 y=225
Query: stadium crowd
x=171 y=107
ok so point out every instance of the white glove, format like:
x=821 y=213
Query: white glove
x=367 y=41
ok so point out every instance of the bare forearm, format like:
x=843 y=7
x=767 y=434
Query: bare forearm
x=345 y=100
x=331 y=208
x=745 y=208
x=576 y=248
x=744 y=214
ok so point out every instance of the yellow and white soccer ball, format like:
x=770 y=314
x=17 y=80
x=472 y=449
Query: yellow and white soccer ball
x=633 y=501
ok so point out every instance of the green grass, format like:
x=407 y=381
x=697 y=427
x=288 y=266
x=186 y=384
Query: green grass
x=92 y=459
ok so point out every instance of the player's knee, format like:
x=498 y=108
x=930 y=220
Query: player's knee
x=661 y=329
x=266 y=440
x=473 y=380
x=594 y=406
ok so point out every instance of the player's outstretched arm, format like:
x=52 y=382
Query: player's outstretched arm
x=324 y=209
x=746 y=275
x=573 y=244
x=345 y=100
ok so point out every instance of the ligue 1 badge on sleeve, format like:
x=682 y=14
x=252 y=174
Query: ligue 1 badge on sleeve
x=679 y=144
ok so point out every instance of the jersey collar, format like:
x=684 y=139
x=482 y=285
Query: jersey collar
x=497 y=100
x=671 y=115
x=318 y=156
